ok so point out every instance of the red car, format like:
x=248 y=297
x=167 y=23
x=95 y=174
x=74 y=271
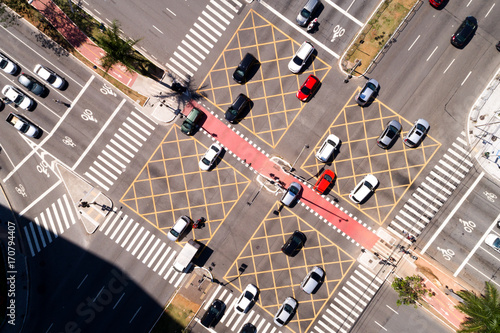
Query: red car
x=436 y=3
x=308 y=88
x=324 y=181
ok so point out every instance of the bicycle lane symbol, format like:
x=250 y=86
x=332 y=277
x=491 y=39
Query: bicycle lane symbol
x=338 y=31
x=447 y=253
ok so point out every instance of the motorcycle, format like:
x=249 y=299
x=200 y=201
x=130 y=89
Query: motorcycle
x=199 y=223
x=312 y=25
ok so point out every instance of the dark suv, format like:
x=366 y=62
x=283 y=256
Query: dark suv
x=190 y=125
x=464 y=33
x=294 y=244
x=213 y=314
x=243 y=69
x=235 y=110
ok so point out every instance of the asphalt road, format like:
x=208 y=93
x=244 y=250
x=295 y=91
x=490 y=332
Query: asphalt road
x=421 y=75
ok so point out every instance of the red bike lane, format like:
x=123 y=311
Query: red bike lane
x=260 y=162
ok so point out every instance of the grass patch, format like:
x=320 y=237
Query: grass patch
x=376 y=33
x=176 y=316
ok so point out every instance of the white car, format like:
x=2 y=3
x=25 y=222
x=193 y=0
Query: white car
x=210 y=157
x=17 y=97
x=179 y=227
x=327 y=148
x=285 y=312
x=50 y=76
x=364 y=189
x=312 y=280
x=300 y=58
x=7 y=65
x=493 y=241
x=417 y=133
x=247 y=297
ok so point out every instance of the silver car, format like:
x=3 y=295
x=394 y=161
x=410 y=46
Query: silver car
x=327 y=148
x=368 y=92
x=291 y=194
x=415 y=136
x=285 y=312
x=306 y=12
x=7 y=65
x=389 y=135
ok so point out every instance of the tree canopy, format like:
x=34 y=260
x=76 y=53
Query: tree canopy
x=483 y=312
x=410 y=289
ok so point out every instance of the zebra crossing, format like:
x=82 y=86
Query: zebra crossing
x=341 y=314
x=201 y=38
x=142 y=244
x=120 y=150
x=234 y=320
x=431 y=195
x=47 y=226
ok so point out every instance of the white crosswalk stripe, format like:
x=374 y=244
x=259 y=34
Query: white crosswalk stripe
x=120 y=150
x=432 y=193
x=205 y=33
x=49 y=224
x=349 y=302
x=146 y=247
x=234 y=320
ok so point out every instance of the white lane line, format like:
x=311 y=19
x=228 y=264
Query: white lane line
x=214 y=21
x=176 y=63
x=132 y=232
x=151 y=251
x=185 y=61
x=382 y=327
x=142 y=120
x=158 y=30
x=345 y=13
x=138 y=143
x=125 y=231
x=96 y=181
x=130 y=120
x=221 y=18
x=433 y=238
x=189 y=55
x=201 y=38
x=40 y=232
x=172 y=256
x=477 y=246
x=156 y=255
x=97 y=137
x=392 y=309
x=99 y=165
x=161 y=259
x=122 y=148
x=451 y=63
x=200 y=46
x=140 y=242
x=114 y=151
x=34 y=237
x=102 y=159
x=463 y=82
x=173 y=69
x=145 y=247
x=193 y=50
x=28 y=238
x=95 y=171
x=432 y=53
x=112 y=225
x=215 y=31
x=486 y=277
x=231 y=16
x=112 y=158
x=413 y=43
x=488 y=13
x=125 y=142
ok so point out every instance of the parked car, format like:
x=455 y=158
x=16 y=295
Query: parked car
x=190 y=124
x=248 y=328
x=300 y=58
x=465 y=32
x=213 y=314
x=294 y=243
x=7 y=65
x=286 y=311
x=291 y=194
x=364 y=189
x=416 y=134
x=208 y=160
x=246 y=299
x=17 y=97
x=312 y=280
x=308 y=88
x=179 y=227
x=328 y=147
x=23 y=125
x=389 y=135
x=32 y=84
x=307 y=12
x=240 y=104
x=50 y=76
x=368 y=92
x=493 y=241
x=324 y=181
x=241 y=72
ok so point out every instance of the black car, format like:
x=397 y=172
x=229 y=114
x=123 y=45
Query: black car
x=239 y=105
x=243 y=69
x=248 y=328
x=465 y=32
x=294 y=244
x=213 y=314
x=32 y=84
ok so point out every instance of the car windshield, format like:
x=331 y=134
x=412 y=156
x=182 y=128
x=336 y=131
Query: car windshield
x=370 y=86
x=315 y=276
x=232 y=111
x=173 y=232
x=248 y=295
x=496 y=243
x=205 y=161
x=19 y=99
x=295 y=241
x=305 y=90
x=331 y=142
x=421 y=128
x=328 y=178
x=239 y=73
x=305 y=13
x=288 y=308
x=367 y=184
x=391 y=131
x=294 y=190
x=297 y=61
x=3 y=63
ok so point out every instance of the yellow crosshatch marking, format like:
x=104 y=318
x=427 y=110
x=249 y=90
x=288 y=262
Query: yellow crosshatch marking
x=171 y=185
x=358 y=129
x=278 y=276
x=273 y=87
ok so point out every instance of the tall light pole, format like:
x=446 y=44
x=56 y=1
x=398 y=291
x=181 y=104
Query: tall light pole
x=305 y=146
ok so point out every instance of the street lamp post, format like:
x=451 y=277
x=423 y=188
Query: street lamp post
x=305 y=146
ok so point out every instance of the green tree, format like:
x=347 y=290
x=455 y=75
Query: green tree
x=410 y=289
x=119 y=50
x=483 y=312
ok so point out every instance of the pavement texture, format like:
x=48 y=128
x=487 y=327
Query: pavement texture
x=483 y=129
